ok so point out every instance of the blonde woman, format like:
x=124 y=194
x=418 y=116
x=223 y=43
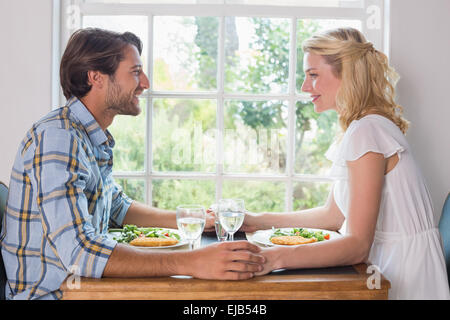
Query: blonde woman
x=378 y=190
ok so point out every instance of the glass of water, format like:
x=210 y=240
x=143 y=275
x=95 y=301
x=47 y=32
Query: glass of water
x=231 y=215
x=221 y=233
x=191 y=222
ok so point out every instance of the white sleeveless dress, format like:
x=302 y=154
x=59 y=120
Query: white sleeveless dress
x=407 y=246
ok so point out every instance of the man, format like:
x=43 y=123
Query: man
x=62 y=195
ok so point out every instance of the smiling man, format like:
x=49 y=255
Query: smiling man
x=63 y=198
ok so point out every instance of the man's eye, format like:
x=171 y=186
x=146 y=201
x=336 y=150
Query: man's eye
x=313 y=75
x=137 y=72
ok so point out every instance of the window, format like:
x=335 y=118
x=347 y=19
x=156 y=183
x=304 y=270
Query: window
x=224 y=116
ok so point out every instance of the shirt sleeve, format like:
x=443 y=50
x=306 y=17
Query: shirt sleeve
x=59 y=173
x=366 y=136
x=119 y=207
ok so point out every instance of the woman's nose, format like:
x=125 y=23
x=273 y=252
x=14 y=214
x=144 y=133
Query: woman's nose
x=306 y=86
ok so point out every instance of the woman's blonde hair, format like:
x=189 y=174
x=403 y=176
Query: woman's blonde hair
x=367 y=80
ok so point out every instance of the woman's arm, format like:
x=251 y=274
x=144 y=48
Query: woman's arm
x=327 y=217
x=366 y=178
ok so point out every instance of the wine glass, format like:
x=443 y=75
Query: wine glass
x=191 y=221
x=231 y=215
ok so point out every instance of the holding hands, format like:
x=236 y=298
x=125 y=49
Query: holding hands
x=233 y=260
x=237 y=260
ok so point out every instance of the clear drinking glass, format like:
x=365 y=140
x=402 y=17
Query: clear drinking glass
x=191 y=222
x=221 y=233
x=231 y=215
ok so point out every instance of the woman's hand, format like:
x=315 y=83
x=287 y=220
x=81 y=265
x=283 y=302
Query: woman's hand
x=251 y=223
x=272 y=258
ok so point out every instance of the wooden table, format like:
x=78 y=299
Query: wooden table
x=342 y=283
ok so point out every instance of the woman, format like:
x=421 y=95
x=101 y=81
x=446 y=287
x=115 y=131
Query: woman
x=378 y=189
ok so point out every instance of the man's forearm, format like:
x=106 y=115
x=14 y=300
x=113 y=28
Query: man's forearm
x=142 y=215
x=235 y=260
x=126 y=261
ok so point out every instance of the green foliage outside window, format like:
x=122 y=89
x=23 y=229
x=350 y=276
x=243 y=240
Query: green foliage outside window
x=176 y=119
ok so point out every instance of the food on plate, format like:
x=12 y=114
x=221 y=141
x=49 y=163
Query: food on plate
x=291 y=240
x=297 y=236
x=153 y=242
x=146 y=237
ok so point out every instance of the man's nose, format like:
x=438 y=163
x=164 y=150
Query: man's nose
x=144 y=82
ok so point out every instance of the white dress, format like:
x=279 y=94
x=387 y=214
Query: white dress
x=407 y=246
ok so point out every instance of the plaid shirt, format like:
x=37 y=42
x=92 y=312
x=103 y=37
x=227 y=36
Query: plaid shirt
x=62 y=199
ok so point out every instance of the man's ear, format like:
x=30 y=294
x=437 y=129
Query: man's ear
x=96 y=79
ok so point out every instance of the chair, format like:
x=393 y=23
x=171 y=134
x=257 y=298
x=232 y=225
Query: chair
x=444 y=229
x=3 y=197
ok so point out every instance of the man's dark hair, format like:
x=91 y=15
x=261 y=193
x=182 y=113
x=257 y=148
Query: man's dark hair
x=92 y=49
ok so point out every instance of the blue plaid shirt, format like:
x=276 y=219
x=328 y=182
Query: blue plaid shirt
x=62 y=199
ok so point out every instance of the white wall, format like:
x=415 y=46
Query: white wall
x=25 y=76
x=420 y=52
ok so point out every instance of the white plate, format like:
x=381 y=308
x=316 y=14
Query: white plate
x=180 y=243
x=263 y=236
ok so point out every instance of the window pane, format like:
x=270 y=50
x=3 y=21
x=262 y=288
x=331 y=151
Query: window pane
x=184 y=135
x=168 y=194
x=255 y=136
x=133 y=188
x=313 y=136
x=129 y=135
x=256 y=55
x=306 y=28
x=258 y=196
x=185 y=53
x=310 y=194
x=136 y=24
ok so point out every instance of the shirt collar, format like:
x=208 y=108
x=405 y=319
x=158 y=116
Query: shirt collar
x=87 y=120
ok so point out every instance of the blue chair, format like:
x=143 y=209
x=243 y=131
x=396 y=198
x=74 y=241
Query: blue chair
x=444 y=229
x=3 y=198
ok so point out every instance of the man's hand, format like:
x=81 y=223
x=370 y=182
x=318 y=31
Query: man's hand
x=210 y=220
x=237 y=260
x=250 y=221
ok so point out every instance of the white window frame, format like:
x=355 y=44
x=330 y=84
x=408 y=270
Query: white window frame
x=67 y=13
